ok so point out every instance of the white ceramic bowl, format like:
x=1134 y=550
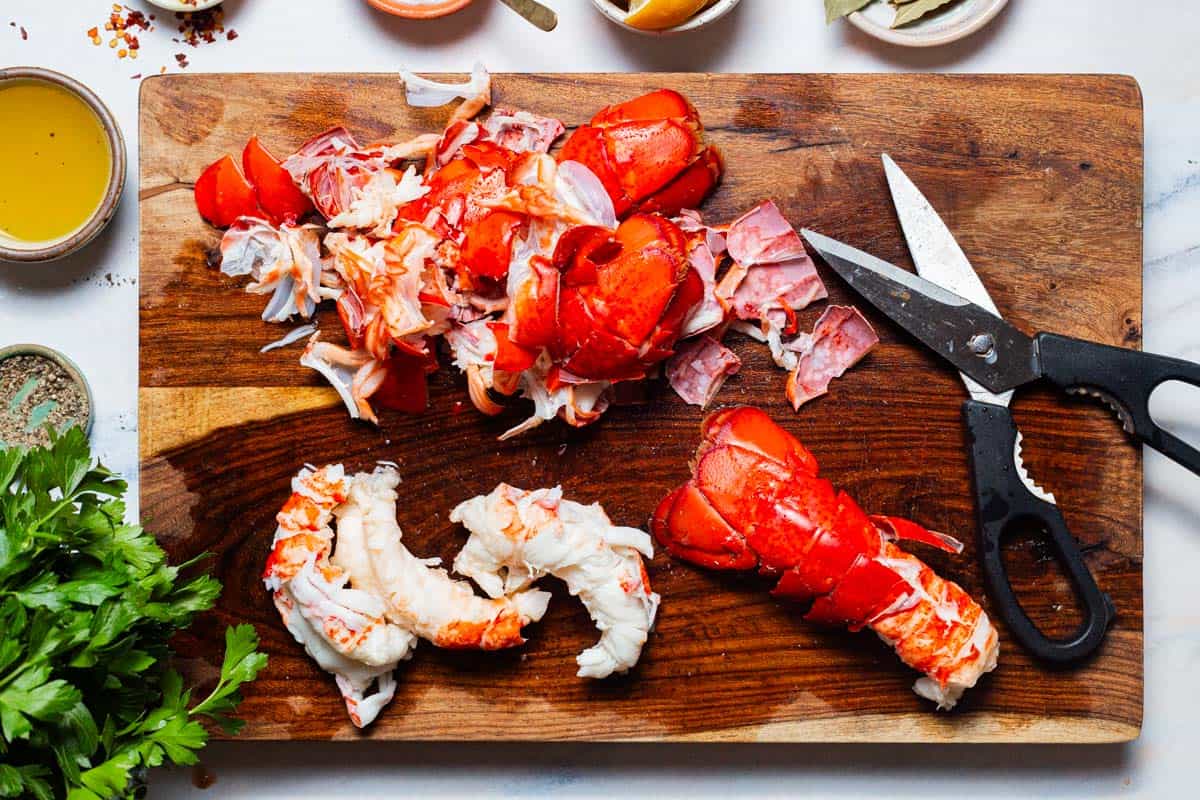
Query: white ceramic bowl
x=616 y=14
x=180 y=5
x=943 y=26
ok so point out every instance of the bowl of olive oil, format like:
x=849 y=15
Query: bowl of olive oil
x=62 y=164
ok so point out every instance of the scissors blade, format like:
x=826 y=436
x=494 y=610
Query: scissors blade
x=980 y=344
x=938 y=257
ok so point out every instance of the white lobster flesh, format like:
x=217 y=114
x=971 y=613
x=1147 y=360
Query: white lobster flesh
x=519 y=536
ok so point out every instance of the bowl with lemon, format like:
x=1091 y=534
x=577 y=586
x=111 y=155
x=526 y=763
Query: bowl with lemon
x=659 y=17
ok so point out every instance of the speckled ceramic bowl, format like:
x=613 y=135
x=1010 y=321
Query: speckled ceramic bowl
x=69 y=366
x=15 y=250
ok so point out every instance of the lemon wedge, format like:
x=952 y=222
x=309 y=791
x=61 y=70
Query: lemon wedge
x=656 y=15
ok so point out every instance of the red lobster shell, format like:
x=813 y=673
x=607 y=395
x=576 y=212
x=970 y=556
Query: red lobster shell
x=649 y=153
x=612 y=303
x=755 y=501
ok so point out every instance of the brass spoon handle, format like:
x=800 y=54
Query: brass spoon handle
x=535 y=12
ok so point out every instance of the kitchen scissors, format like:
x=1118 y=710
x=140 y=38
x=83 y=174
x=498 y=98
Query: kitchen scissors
x=947 y=307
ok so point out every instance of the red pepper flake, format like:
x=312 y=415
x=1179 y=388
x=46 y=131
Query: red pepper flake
x=24 y=34
x=135 y=76
x=123 y=25
x=123 y=22
x=200 y=27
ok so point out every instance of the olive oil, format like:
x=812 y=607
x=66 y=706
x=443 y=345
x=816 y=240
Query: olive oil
x=55 y=161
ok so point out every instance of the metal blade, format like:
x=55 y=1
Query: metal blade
x=973 y=339
x=938 y=257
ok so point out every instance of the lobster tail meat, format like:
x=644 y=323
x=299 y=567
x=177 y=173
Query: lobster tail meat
x=755 y=501
x=519 y=536
x=359 y=606
x=418 y=596
x=343 y=629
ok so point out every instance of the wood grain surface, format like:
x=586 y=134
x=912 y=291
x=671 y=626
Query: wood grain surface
x=1040 y=177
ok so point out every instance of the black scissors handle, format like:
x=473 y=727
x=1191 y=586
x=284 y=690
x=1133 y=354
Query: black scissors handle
x=1124 y=379
x=1003 y=502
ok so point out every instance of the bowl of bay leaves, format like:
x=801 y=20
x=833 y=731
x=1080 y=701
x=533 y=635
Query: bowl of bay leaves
x=916 y=23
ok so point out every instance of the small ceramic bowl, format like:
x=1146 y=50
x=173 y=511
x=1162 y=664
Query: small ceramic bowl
x=949 y=24
x=68 y=366
x=13 y=250
x=614 y=13
x=420 y=10
x=184 y=5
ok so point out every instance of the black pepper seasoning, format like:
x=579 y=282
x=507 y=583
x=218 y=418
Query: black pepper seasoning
x=35 y=391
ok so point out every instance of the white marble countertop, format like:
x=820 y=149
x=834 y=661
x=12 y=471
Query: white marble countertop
x=87 y=306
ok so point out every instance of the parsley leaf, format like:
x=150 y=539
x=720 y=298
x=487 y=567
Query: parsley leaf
x=88 y=605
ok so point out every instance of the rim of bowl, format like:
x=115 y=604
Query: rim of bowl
x=57 y=248
x=912 y=37
x=184 y=5
x=63 y=361
x=709 y=15
x=400 y=8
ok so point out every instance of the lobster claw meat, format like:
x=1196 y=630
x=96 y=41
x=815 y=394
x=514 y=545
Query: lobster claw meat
x=649 y=153
x=621 y=298
x=755 y=501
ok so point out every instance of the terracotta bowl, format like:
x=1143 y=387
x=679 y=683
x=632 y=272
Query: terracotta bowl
x=12 y=250
x=400 y=8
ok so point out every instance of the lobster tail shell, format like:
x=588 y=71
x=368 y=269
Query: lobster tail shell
x=755 y=501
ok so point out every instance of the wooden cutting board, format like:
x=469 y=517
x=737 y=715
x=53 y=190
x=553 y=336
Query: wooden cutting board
x=1040 y=177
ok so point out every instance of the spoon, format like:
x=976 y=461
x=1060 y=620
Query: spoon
x=535 y=12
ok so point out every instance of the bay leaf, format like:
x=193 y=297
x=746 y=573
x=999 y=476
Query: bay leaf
x=911 y=12
x=840 y=8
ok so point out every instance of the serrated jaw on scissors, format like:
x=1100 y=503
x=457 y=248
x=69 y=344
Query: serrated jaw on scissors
x=1023 y=473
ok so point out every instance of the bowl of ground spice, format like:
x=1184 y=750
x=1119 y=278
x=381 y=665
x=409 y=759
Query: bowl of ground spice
x=40 y=387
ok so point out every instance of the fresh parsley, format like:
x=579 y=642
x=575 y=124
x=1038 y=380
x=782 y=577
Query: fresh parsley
x=88 y=605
